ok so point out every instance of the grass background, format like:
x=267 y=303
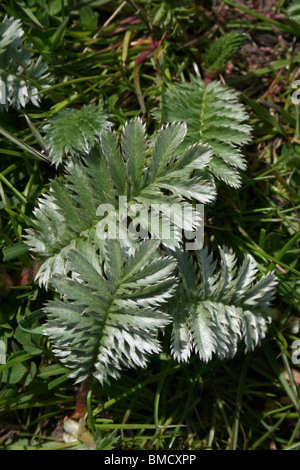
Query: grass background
x=93 y=49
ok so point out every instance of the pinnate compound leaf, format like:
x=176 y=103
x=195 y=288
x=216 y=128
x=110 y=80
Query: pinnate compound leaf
x=72 y=132
x=214 y=117
x=220 y=52
x=227 y=307
x=159 y=183
x=22 y=76
x=106 y=321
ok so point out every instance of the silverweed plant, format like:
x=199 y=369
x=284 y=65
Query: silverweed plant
x=118 y=291
x=21 y=76
x=152 y=219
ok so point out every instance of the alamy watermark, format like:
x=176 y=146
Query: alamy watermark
x=296 y=352
x=170 y=223
x=2 y=92
x=296 y=94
